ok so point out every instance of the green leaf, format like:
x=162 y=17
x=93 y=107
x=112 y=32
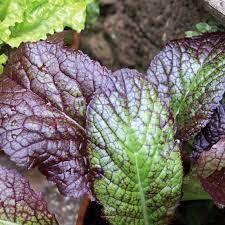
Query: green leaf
x=3 y=59
x=11 y=12
x=203 y=27
x=93 y=11
x=191 y=33
x=189 y=76
x=32 y=20
x=132 y=147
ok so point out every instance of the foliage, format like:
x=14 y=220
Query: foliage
x=32 y=20
x=118 y=136
x=20 y=205
x=93 y=12
x=3 y=59
x=203 y=27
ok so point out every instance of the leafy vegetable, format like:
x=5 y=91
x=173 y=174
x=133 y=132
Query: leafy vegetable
x=113 y=135
x=19 y=204
x=202 y=28
x=92 y=11
x=213 y=131
x=44 y=125
x=132 y=143
x=3 y=59
x=210 y=168
x=32 y=20
x=35 y=133
x=183 y=72
x=209 y=152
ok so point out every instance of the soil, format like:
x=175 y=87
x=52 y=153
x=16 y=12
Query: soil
x=128 y=34
x=93 y=215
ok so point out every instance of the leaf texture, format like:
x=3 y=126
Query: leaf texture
x=132 y=145
x=210 y=168
x=64 y=77
x=189 y=76
x=19 y=204
x=212 y=132
x=43 y=96
x=32 y=20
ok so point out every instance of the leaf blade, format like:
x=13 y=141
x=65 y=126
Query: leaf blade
x=44 y=92
x=209 y=168
x=125 y=149
x=19 y=203
x=183 y=72
x=33 y=20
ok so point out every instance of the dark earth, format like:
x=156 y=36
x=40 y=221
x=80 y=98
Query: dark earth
x=128 y=33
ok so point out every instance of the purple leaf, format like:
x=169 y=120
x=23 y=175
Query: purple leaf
x=213 y=131
x=188 y=75
x=210 y=169
x=19 y=204
x=43 y=98
x=58 y=74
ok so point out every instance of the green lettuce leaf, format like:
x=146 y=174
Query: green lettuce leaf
x=92 y=11
x=11 y=12
x=32 y=20
x=132 y=147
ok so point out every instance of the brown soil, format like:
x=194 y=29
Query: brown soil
x=129 y=33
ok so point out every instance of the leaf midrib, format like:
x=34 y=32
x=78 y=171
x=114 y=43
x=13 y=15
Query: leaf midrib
x=141 y=191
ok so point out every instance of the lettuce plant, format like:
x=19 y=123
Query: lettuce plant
x=117 y=136
x=32 y=20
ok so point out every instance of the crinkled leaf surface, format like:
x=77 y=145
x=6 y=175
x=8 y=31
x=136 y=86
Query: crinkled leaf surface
x=32 y=20
x=189 y=76
x=66 y=78
x=11 y=12
x=213 y=131
x=43 y=96
x=19 y=204
x=210 y=169
x=210 y=156
x=132 y=145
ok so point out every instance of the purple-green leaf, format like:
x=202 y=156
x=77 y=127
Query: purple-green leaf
x=19 y=204
x=132 y=145
x=210 y=170
x=189 y=75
